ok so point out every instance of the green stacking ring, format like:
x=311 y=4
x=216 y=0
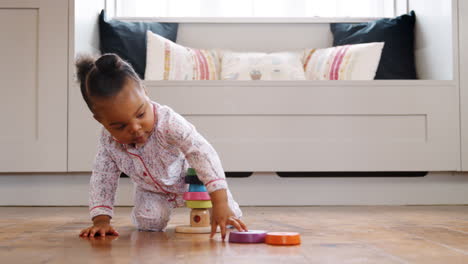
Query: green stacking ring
x=199 y=204
x=191 y=177
x=191 y=172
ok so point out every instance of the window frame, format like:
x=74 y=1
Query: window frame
x=399 y=7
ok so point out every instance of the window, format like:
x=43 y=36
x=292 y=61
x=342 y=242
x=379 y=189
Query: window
x=257 y=8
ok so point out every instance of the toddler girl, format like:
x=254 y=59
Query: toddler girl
x=151 y=144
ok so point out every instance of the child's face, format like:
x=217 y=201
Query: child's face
x=128 y=116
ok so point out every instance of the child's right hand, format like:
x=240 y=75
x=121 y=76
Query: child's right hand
x=101 y=226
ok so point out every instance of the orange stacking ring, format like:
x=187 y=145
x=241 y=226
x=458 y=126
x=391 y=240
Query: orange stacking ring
x=283 y=238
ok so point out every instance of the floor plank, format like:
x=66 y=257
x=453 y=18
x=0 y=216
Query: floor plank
x=373 y=234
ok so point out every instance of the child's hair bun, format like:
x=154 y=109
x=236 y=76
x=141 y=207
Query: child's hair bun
x=84 y=64
x=108 y=64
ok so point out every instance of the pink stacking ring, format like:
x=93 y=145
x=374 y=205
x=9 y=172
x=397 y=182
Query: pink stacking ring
x=196 y=196
x=251 y=236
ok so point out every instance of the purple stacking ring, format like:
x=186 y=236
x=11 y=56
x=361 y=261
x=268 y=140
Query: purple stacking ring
x=251 y=236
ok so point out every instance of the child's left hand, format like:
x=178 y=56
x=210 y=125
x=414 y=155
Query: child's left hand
x=222 y=215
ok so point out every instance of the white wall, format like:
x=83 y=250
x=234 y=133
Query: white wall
x=255 y=37
x=436 y=47
x=84 y=36
x=463 y=29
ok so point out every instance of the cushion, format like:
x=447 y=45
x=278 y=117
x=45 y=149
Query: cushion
x=397 y=60
x=349 y=62
x=167 y=60
x=261 y=66
x=128 y=39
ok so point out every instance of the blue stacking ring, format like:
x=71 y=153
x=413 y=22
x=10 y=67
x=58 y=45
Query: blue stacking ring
x=197 y=188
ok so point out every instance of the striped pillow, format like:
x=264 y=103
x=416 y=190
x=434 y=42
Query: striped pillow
x=350 y=62
x=166 y=60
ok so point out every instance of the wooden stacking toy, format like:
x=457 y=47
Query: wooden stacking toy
x=198 y=199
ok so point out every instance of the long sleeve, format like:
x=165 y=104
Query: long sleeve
x=103 y=183
x=199 y=153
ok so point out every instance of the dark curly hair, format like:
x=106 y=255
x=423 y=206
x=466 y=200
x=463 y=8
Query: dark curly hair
x=103 y=77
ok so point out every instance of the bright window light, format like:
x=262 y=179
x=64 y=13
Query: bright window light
x=256 y=8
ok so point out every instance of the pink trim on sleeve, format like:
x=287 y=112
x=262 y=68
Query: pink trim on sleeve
x=105 y=206
x=220 y=179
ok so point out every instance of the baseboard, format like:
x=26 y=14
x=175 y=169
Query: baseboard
x=262 y=189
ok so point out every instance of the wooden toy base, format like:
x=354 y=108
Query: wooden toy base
x=194 y=230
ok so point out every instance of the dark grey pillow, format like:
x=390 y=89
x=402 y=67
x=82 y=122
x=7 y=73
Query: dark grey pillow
x=397 y=61
x=128 y=39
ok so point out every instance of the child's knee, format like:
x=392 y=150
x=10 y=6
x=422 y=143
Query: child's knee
x=150 y=224
x=150 y=220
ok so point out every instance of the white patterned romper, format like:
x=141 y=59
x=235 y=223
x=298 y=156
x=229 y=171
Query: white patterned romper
x=157 y=170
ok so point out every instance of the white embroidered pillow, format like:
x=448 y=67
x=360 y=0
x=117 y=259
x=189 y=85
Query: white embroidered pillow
x=166 y=60
x=350 y=62
x=261 y=66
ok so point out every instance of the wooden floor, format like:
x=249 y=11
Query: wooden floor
x=409 y=234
